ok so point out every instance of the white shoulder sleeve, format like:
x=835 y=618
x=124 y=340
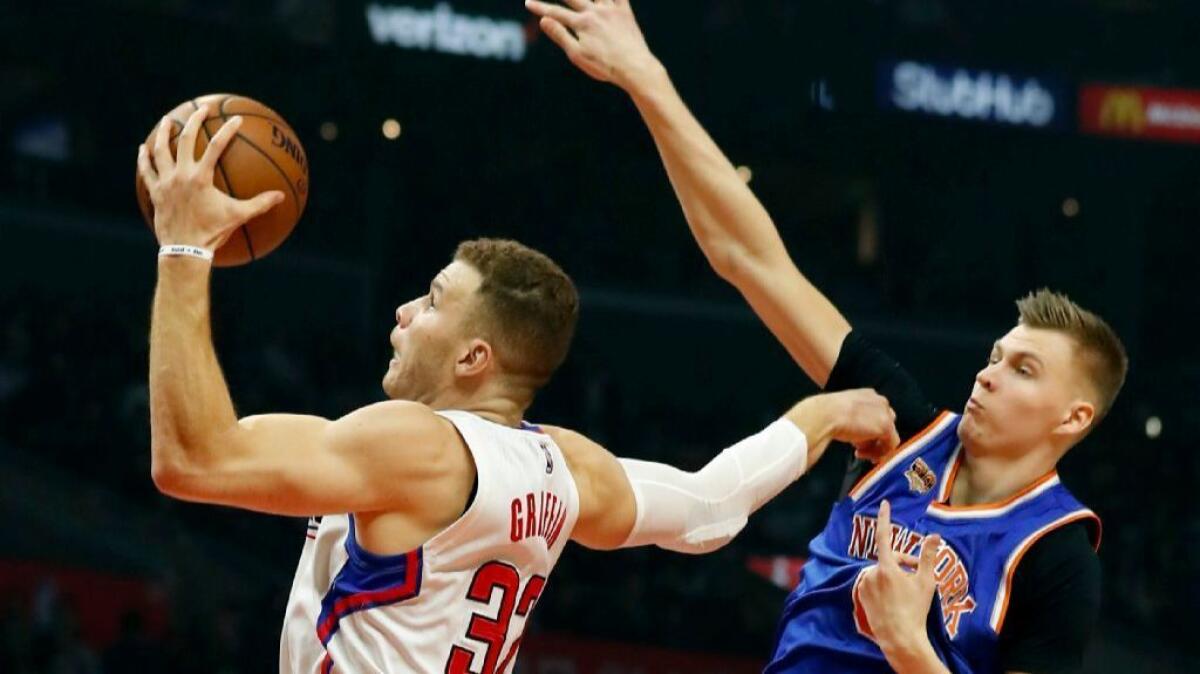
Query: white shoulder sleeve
x=702 y=511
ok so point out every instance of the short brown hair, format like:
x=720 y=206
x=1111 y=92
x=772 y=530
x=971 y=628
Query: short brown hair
x=530 y=305
x=1098 y=349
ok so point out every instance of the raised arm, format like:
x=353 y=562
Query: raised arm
x=730 y=224
x=627 y=502
x=278 y=463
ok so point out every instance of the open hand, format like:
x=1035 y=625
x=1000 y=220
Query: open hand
x=188 y=207
x=601 y=37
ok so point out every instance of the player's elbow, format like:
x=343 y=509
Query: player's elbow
x=726 y=257
x=741 y=266
x=171 y=476
x=165 y=476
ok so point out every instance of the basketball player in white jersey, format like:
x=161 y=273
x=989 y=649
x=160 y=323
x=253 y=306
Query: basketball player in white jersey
x=437 y=516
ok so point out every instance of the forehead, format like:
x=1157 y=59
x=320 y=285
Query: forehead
x=1050 y=346
x=457 y=279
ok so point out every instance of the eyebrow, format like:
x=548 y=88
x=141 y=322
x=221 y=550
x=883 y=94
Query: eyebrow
x=435 y=284
x=1021 y=354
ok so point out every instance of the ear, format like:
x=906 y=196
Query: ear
x=475 y=360
x=1078 y=419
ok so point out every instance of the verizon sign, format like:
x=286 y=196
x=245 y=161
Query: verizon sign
x=979 y=95
x=1140 y=112
x=442 y=29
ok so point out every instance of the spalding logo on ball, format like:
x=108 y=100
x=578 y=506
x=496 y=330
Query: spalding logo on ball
x=265 y=155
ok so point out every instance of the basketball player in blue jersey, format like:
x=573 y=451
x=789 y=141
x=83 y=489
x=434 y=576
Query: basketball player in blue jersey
x=1008 y=579
x=436 y=516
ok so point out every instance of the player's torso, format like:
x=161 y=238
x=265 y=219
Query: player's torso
x=824 y=629
x=459 y=602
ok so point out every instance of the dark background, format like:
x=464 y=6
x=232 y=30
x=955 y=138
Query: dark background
x=924 y=231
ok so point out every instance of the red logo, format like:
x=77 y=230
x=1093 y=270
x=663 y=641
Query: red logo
x=1140 y=112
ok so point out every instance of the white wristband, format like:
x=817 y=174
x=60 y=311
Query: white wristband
x=175 y=250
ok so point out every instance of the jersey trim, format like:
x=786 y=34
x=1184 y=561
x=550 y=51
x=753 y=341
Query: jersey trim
x=367 y=581
x=948 y=475
x=984 y=510
x=904 y=451
x=1000 y=607
x=533 y=428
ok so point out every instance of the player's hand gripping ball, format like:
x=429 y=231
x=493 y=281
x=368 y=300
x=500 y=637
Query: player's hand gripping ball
x=263 y=157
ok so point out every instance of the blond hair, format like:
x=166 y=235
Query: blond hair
x=1098 y=350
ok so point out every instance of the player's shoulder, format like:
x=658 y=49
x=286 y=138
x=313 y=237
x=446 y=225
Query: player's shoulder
x=585 y=457
x=575 y=446
x=1066 y=550
x=392 y=423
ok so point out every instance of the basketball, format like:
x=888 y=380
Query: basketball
x=264 y=155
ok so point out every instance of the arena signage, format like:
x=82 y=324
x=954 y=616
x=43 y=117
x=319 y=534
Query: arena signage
x=962 y=93
x=442 y=29
x=1140 y=112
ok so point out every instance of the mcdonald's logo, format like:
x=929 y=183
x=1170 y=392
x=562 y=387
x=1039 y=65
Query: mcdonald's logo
x=1123 y=110
x=1147 y=113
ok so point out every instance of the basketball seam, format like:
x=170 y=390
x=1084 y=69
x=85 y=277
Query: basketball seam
x=286 y=179
x=258 y=116
x=228 y=184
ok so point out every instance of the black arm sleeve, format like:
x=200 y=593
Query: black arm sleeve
x=861 y=364
x=1055 y=604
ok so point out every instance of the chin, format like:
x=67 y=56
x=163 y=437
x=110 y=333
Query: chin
x=968 y=429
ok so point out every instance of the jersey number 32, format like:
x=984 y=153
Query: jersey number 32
x=493 y=632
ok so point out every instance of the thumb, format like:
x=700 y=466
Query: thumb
x=252 y=208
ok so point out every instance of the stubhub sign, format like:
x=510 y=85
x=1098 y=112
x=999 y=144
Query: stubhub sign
x=979 y=95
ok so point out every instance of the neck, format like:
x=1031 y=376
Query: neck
x=503 y=409
x=988 y=478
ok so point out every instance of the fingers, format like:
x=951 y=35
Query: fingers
x=185 y=153
x=252 y=208
x=149 y=175
x=558 y=13
x=219 y=142
x=559 y=34
x=893 y=438
x=929 y=553
x=579 y=5
x=163 y=161
x=871 y=450
x=883 y=535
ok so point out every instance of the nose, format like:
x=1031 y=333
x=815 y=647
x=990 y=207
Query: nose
x=985 y=379
x=403 y=315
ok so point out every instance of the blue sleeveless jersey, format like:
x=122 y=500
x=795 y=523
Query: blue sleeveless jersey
x=823 y=628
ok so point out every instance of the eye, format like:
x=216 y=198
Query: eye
x=1024 y=371
x=429 y=300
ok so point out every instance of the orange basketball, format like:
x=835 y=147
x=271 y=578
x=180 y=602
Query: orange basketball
x=265 y=155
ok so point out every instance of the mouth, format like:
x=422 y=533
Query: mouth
x=973 y=405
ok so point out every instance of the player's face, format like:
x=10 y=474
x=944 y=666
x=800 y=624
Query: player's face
x=428 y=335
x=1023 y=394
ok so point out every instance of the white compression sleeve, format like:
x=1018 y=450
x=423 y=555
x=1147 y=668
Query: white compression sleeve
x=702 y=511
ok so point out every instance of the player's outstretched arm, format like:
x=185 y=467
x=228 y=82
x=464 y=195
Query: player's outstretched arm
x=627 y=503
x=730 y=224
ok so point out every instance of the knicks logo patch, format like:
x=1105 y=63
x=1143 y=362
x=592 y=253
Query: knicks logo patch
x=920 y=477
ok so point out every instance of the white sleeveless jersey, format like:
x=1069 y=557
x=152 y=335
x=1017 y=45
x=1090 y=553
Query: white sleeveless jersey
x=459 y=602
